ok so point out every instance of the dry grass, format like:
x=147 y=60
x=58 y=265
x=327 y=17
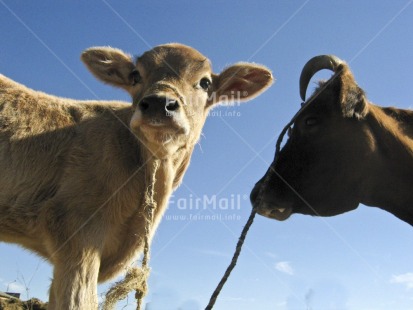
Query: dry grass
x=17 y=304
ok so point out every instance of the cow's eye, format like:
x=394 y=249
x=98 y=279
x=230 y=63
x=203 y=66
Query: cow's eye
x=135 y=77
x=205 y=83
x=311 y=121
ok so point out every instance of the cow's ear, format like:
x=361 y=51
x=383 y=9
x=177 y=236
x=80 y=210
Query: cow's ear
x=352 y=98
x=240 y=82
x=110 y=65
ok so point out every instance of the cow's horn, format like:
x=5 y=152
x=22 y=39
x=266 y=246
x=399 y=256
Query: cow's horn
x=314 y=65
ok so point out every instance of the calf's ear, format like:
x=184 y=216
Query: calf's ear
x=110 y=65
x=240 y=82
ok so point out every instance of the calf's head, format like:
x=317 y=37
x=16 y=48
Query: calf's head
x=319 y=170
x=172 y=88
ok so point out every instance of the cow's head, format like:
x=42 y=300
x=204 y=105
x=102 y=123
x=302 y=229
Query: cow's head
x=172 y=88
x=320 y=169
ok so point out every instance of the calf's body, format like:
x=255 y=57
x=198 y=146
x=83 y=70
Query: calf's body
x=72 y=182
x=74 y=173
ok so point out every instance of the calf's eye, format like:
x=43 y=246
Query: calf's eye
x=205 y=84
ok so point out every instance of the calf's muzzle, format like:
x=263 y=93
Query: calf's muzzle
x=158 y=105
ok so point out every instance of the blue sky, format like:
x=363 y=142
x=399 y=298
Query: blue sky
x=359 y=260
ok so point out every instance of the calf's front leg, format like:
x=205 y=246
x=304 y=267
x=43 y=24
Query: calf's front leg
x=75 y=277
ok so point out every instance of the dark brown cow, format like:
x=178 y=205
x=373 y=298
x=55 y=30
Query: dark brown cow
x=342 y=151
x=73 y=173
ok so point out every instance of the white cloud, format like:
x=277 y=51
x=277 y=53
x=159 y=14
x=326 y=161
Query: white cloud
x=285 y=267
x=406 y=279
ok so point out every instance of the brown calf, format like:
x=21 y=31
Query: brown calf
x=72 y=175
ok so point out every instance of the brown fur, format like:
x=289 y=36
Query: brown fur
x=73 y=172
x=342 y=151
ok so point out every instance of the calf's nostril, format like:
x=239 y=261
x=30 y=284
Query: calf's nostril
x=143 y=105
x=172 y=105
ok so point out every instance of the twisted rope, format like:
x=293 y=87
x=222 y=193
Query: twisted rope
x=247 y=226
x=150 y=206
x=234 y=260
x=136 y=277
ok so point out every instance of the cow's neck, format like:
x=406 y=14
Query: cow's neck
x=390 y=172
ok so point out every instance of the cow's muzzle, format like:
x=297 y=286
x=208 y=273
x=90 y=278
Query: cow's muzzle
x=266 y=206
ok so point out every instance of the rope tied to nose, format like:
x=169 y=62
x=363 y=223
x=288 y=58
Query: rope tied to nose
x=234 y=260
x=136 y=277
x=250 y=220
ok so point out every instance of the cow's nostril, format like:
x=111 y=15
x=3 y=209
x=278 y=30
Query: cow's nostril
x=172 y=105
x=143 y=105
